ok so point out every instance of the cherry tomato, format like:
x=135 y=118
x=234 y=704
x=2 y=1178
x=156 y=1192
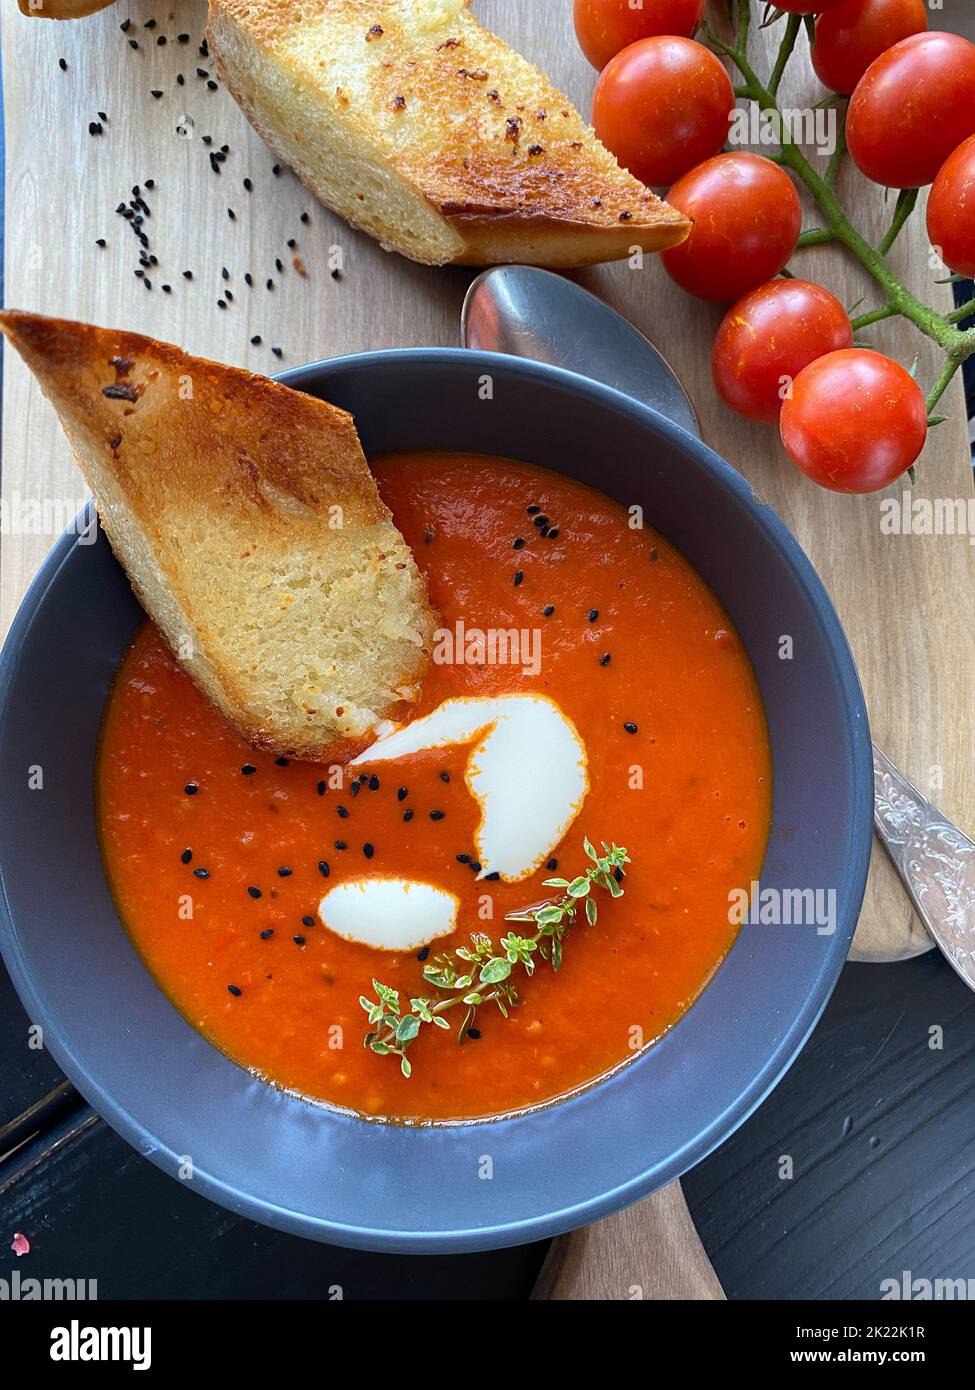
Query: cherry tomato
x=912 y=107
x=806 y=6
x=854 y=35
x=768 y=337
x=663 y=105
x=855 y=421
x=605 y=27
x=747 y=220
x=951 y=210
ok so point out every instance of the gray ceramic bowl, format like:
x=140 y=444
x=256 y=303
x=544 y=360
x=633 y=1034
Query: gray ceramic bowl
x=333 y=1177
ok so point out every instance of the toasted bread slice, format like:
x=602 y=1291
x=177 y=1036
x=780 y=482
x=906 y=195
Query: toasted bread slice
x=251 y=528
x=418 y=125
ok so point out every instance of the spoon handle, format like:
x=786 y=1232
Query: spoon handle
x=935 y=860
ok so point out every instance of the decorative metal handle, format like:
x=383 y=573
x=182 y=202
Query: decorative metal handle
x=934 y=859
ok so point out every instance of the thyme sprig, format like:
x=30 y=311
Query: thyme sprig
x=481 y=972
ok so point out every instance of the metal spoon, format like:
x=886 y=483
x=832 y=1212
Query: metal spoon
x=532 y=313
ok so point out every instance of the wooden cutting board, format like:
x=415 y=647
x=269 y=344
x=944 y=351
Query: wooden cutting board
x=905 y=601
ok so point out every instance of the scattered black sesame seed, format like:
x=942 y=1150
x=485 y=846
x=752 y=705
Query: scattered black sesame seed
x=548 y=610
x=493 y=878
x=133 y=44
x=231 y=214
x=284 y=871
x=166 y=289
x=519 y=543
x=155 y=92
x=248 y=185
x=100 y=241
x=437 y=815
x=282 y=762
x=248 y=769
x=228 y=296
x=149 y=24
x=187 y=275
x=236 y=991
x=553 y=533
x=248 y=278
x=276 y=171
x=267 y=933
x=254 y=892
x=407 y=815
x=291 y=243
x=540 y=521
x=323 y=868
x=341 y=844
x=474 y=1033
x=519 y=576
x=256 y=340
x=298 y=940
x=593 y=614
x=221 y=304
x=94 y=127
x=475 y=866
x=533 y=510
x=463 y=859
x=191 y=788
x=278 y=352
x=336 y=274
x=552 y=864
x=224 y=273
x=212 y=85
x=307 y=921
x=63 y=64
x=270 y=285
x=354 y=786
x=182 y=38
x=630 y=728
x=605 y=659
x=202 y=72
x=180 y=80
x=422 y=954
x=374 y=783
x=278 y=265
x=402 y=793
x=186 y=856
x=201 y=873
x=445 y=776
x=343 y=812
x=124 y=26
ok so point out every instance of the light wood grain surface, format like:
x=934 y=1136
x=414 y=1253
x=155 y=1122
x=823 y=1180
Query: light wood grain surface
x=905 y=601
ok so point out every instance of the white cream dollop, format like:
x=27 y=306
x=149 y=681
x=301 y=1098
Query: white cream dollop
x=391 y=914
x=527 y=770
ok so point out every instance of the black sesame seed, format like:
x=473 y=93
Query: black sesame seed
x=212 y=85
x=445 y=776
x=248 y=185
x=191 y=788
x=100 y=241
x=187 y=275
x=533 y=510
x=340 y=844
x=166 y=289
x=422 y=954
x=124 y=26
x=186 y=856
x=278 y=265
x=374 y=783
x=519 y=576
x=63 y=64
x=323 y=868
x=94 y=127
x=221 y=304
x=605 y=659
x=255 y=892
x=224 y=274
x=248 y=769
x=437 y=815
x=519 y=543
x=155 y=93
x=281 y=762
x=201 y=873
x=231 y=214
x=475 y=866
x=182 y=38
x=235 y=990
x=133 y=44
x=284 y=871
x=354 y=786
x=540 y=521
x=150 y=183
x=320 y=788
x=463 y=859
x=305 y=218
x=307 y=921
x=368 y=850
x=474 y=1033
x=270 y=285
x=552 y=864
x=593 y=614
x=407 y=815
x=402 y=793
x=276 y=170
x=149 y=24
x=291 y=243
x=343 y=812
x=492 y=877
x=298 y=940
x=548 y=610
x=630 y=728
x=267 y=933
x=278 y=352
x=553 y=533
x=256 y=340
x=228 y=296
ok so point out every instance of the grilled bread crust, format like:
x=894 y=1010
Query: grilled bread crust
x=427 y=131
x=250 y=527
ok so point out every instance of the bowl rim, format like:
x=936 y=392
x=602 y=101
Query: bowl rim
x=547 y=1222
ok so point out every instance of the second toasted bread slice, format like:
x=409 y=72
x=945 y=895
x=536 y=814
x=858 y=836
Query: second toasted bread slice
x=251 y=529
x=420 y=126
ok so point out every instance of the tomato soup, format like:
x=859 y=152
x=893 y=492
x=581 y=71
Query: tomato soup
x=218 y=856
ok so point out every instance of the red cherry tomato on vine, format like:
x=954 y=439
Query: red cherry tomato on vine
x=951 y=210
x=661 y=106
x=768 y=337
x=605 y=27
x=806 y=6
x=911 y=108
x=851 y=37
x=855 y=421
x=747 y=220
